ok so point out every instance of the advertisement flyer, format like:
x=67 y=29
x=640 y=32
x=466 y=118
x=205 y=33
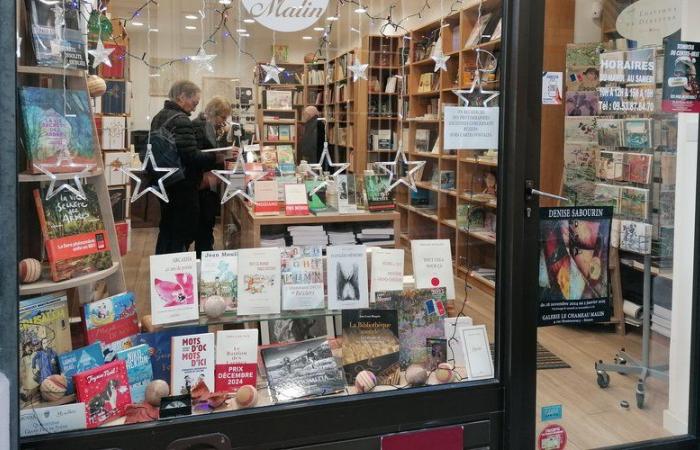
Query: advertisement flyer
x=681 y=90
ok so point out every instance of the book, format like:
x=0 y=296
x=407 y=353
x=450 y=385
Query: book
x=422 y=140
x=437 y=352
x=302 y=369
x=139 y=370
x=379 y=196
x=278 y=99
x=56 y=35
x=476 y=33
x=607 y=195
x=259 y=275
x=268 y=157
x=581 y=130
x=347 y=277
x=317 y=200
x=285 y=158
x=192 y=362
x=425 y=82
x=80 y=360
x=432 y=264
x=637 y=133
x=118 y=197
x=51 y=419
x=453 y=334
x=295 y=200
x=302 y=278
x=113 y=133
x=386 y=270
x=123 y=230
x=236 y=359
x=635 y=236
x=447 y=179
x=421 y=315
x=114 y=98
x=174 y=295
x=110 y=319
x=114 y=162
x=462 y=219
x=44 y=333
x=371 y=342
x=265 y=197
x=218 y=275
x=105 y=392
x=74 y=234
x=346 y=193
x=57 y=129
x=160 y=347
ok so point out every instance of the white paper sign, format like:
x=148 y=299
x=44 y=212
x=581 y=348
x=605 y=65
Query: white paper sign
x=52 y=419
x=286 y=15
x=647 y=22
x=552 y=85
x=477 y=353
x=471 y=128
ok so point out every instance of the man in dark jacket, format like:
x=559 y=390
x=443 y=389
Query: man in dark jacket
x=178 y=217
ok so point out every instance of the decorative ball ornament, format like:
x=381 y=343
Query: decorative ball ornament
x=214 y=306
x=96 y=86
x=29 y=270
x=99 y=24
x=156 y=390
x=444 y=372
x=365 y=381
x=53 y=387
x=416 y=375
x=309 y=58
x=246 y=396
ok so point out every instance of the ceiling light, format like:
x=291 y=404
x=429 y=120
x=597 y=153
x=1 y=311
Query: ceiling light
x=306 y=38
x=319 y=29
x=331 y=18
x=361 y=10
x=241 y=30
x=225 y=2
x=191 y=17
x=249 y=20
x=154 y=30
x=244 y=35
x=137 y=24
x=235 y=79
x=190 y=27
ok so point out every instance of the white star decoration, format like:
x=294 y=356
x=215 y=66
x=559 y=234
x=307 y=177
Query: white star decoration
x=272 y=71
x=78 y=190
x=476 y=93
x=101 y=54
x=407 y=180
x=358 y=70
x=325 y=156
x=160 y=192
x=203 y=60
x=234 y=190
x=440 y=60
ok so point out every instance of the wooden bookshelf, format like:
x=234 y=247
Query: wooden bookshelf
x=341 y=108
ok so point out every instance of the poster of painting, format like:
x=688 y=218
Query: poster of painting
x=160 y=82
x=218 y=86
x=573 y=273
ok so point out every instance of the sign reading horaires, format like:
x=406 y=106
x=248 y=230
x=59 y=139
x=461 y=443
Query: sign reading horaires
x=286 y=15
x=471 y=128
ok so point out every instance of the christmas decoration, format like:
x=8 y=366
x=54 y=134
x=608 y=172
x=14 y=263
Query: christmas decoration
x=160 y=191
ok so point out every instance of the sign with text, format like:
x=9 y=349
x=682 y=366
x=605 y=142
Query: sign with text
x=286 y=15
x=573 y=276
x=449 y=438
x=681 y=90
x=628 y=79
x=648 y=21
x=471 y=128
x=552 y=88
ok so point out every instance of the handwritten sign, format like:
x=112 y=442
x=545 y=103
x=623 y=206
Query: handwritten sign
x=471 y=128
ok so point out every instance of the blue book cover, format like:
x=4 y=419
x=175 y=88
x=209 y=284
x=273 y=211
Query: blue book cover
x=114 y=98
x=80 y=360
x=138 y=370
x=160 y=347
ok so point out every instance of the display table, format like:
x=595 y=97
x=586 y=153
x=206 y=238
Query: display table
x=251 y=224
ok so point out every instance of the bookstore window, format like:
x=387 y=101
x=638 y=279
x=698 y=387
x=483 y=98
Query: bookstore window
x=619 y=115
x=232 y=210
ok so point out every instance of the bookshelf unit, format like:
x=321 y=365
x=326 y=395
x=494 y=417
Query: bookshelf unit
x=340 y=108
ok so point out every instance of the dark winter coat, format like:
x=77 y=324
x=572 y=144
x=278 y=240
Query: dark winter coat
x=206 y=134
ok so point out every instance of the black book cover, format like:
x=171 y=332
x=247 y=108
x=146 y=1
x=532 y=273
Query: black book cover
x=371 y=342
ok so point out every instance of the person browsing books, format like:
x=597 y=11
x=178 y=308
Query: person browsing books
x=312 y=137
x=180 y=215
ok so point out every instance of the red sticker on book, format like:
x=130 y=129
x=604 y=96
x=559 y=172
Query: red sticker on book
x=449 y=438
x=440 y=307
x=435 y=281
x=553 y=437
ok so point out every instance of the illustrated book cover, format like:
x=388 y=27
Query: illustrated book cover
x=174 y=288
x=113 y=133
x=110 y=319
x=80 y=360
x=193 y=360
x=138 y=369
x=302 y=278
x=160 y=347
x=105 y=392
x=379 y=196
x=114 y=162
x=371 y=342
x=347 y=277
x=218 y=275
x=259 y=276
x=56 y=35
x=432 y=264
x=236 y=359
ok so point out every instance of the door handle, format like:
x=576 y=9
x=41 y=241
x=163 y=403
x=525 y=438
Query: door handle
x=215 y=441
x=530 y=191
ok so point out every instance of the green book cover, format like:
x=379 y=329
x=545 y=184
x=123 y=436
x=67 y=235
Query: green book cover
x=379 y=197
x=317 y=201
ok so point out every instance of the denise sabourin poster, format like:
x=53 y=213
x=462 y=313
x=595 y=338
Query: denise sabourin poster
x=573 y=265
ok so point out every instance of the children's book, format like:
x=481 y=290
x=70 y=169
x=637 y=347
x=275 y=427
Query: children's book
x=110 y=319
x=138 y=369
x=174 y=288
x=105 y=392
x=80 y=360
x=218 y=276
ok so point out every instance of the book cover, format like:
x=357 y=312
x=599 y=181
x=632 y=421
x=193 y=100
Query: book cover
x=371 y=342
x=462 y=218
x=118 y=59
x=56 y=35
x=379 y=197
x=421 y=314
x=347 y=277
x=160 y=347
x=114 y=162
x=218 y=275
x=637 y=133
x=432 y=264
x=437 y=352
x=113 y=133
x=57 y=129
x=110 y=319
x=74 y=234
x=105 y=392
x=123 y=230
x=346 y=193
x=317 y=201
x=302 y=369
x=447 y=179
x=44 y=333
x=268 y=157
x=635 y=236
x=236 y=359
x=582 y=103
x=387 y=270
x=266 y=197
x=581 y=130
x=302 y=278
x=259 y=274
x=138 y=369
x=192 y=362
x=118 y=200
x=174 y=288
x=295 y=200
x=80 y=360
x=422 y=140
x=51 y=419
x=114 y=98
x=285 y=158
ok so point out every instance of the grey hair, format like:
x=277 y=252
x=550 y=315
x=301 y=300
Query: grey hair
x=183 y=87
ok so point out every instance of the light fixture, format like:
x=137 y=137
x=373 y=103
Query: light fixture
x=154 y=30
x=361 y=10
x=319 y=29
x=225 y=2
x=306 y=38
x=332 y=18
x=137 y=24
x=190 y=27
x=241 y=30
x=244 y=35
x=191 y=17
x=354 y=30
x=235 y=80
x=249 y=20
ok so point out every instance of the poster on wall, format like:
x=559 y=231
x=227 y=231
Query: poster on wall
x=471 y=128
x=573 y=268
x=629 y=81
x=681 y=90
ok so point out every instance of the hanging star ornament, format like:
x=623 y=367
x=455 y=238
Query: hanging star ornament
x=358 y=70
x=203 y=61
x=476 y=95
x=440 y=60
x=391 y=168
x=272 y=71
x=76 y=190
x=101 y=54
x=160 y=191
x=234 y=189
x=325 y=157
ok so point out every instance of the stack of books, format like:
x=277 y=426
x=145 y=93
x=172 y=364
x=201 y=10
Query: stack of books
x=341 y=237
x=376 y=236
x=273 y=240
x=308 y=235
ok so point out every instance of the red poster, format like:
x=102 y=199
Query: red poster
x=553 y=437
x=450 y=438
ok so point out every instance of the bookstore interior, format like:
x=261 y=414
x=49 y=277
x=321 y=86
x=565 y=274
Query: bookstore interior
x=350 y=282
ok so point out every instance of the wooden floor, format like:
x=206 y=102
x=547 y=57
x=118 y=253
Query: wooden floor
x=592 y=417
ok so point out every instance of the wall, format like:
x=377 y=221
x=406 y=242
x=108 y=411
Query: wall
x=586 y=28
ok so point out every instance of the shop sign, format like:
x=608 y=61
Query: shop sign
x=471 y=128
x=551 y=412
x=573 y=269
x=286 y=15
x=629 y=81
x=649 y=21
x=52 y=419
x=681 y=90
x=552 y=88
x=447 y=438
x=553 y=437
